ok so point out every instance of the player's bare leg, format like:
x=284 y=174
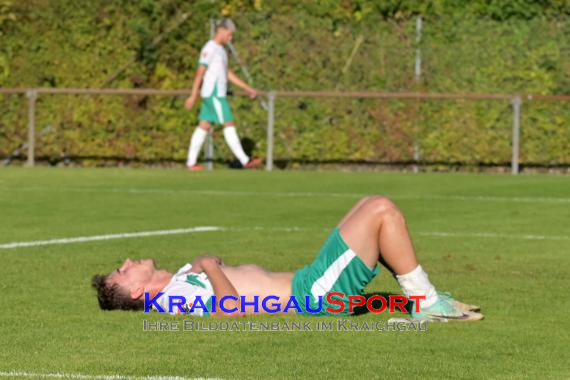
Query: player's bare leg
x=375 y=230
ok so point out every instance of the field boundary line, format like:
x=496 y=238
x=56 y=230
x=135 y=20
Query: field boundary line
x=479 y=198
x=181 y=231
x=128 y=235
x=79 y=376
x=492 y=235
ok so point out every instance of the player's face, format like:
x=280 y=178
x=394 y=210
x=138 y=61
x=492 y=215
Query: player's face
x=228 y=35
x=133 y=273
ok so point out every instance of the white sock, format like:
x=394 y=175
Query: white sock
x=416 y=283
x=196 y=143
x=233 y=142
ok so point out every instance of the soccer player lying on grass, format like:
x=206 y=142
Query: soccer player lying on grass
x=373 y=231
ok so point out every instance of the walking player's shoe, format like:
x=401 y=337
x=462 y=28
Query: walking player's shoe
x=446 y=308
x=253 y=163
x=195 y=168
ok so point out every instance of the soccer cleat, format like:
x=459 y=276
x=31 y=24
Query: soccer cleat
x=445 y=309
x=253 y=163
x=460 y=305
x=195 y=168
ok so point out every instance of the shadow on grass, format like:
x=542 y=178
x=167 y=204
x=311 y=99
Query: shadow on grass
x=376 y=304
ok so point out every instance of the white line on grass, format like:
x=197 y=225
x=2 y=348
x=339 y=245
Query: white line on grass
x=468 y=198
x=180 y=231
x=490 y=235
x=59 y=375
x=83 y=239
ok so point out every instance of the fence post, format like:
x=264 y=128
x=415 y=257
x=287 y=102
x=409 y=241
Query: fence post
x=270 y=126
x=418 y=64
x=417 y=75
x=210 y=136
x=516 y=135
x=32 y=96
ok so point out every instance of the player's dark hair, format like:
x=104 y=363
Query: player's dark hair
x=112 y=297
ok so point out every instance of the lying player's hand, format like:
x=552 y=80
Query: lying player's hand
x=201 y=261
x=217 y=259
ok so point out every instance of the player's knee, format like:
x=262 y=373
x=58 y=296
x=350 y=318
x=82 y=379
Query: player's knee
x=381 y=204
x=384 y=207
x=365 y=199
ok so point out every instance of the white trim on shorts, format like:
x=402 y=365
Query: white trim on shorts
x=218 y=108
x=324 y=284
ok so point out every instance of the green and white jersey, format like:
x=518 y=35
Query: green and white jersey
x=215 y=58
x=188 y=285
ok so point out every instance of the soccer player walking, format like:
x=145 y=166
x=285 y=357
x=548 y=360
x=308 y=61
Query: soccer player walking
x=211 y=81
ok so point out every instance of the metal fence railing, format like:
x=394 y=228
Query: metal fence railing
x=516 y=101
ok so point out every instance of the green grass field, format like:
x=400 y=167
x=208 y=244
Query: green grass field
x=498 y=241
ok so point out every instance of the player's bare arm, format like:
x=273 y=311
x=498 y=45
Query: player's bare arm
x=221 y=284
x=241 y=84
x=196 y=86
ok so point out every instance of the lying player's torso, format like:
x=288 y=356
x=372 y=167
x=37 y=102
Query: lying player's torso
x=252 y=280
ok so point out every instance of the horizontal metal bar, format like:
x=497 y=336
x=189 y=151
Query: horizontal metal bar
x=291 y=94
x=390 y=95
x=98 y=91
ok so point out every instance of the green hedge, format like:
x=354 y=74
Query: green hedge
x=477 y=46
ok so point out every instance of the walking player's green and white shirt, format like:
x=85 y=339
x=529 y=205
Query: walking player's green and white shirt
x=188 y=285
x=215 y=107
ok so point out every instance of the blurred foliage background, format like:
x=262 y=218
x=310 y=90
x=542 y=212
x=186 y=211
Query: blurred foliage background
x=479 y=46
